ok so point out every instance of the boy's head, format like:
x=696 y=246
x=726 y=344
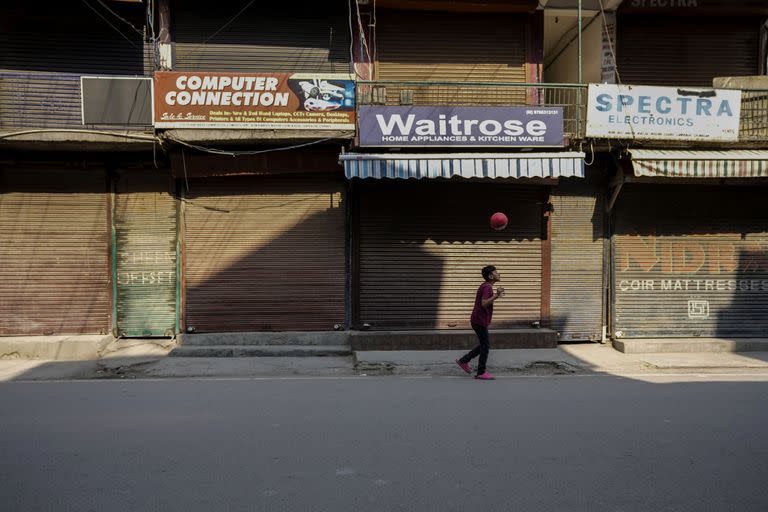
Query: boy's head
x=487 y=271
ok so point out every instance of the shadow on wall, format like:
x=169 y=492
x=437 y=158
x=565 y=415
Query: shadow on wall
x=264 y=254
x=747 y=313
x=286 y=38
x=423 y=244
x=692 y=265
x=54 y=251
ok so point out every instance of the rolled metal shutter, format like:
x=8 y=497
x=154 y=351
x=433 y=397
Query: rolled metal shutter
x=264 y=254
x=54 y=252
x=656 y=50
x=422 y=245
x=68 y=37
x=577 y=261
x=277 y=40
x=452 y=47
x=145 y=254
x=691 y=261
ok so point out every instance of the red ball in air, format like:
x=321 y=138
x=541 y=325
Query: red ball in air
x=499 y=221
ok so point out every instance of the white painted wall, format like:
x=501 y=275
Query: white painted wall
x=564 y=69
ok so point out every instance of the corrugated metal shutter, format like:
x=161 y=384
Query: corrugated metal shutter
x=452 y=47
x=54 y=252
x=145 y=254
x=278 y=40
x=71 y=38
x=422 y=245
x=691 y=261
x=577 y=261
x=656 y=50
x=264 y=254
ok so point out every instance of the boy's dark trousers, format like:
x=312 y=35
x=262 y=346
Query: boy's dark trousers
x=482 y=348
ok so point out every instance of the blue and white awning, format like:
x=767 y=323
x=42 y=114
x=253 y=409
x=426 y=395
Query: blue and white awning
x=466 y=165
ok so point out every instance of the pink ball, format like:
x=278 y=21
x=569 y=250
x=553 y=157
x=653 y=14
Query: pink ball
x=499 y=221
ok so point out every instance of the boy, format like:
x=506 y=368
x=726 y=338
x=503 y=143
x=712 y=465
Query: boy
x=480 y=320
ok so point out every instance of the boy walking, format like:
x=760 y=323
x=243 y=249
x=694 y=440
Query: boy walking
x=480 y=320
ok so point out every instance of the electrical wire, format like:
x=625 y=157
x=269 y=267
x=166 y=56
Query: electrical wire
x=228 y=23
x=216 y=151
x=362 y=33
x=97 y=132
x=121 y=18
x=108 y=23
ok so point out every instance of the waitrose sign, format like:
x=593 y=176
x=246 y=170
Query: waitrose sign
x=461 y=126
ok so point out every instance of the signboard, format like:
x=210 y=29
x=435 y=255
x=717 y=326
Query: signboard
x=258 y=101
x=662 y=113
x=461 y=126
x=608 y=51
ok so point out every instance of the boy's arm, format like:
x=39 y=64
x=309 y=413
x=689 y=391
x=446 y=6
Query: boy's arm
x=487 y=301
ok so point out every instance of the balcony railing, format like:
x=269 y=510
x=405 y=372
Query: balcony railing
x=753 y=126
x=572 y=97
x=44 y=101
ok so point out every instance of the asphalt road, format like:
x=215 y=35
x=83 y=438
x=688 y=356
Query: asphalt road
x=385 y=444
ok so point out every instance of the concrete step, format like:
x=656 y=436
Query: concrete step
x=459 y=339
x=261 y=351
x=690 y=345
x=292 y=338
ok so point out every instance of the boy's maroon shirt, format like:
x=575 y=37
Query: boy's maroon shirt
x=481 y=315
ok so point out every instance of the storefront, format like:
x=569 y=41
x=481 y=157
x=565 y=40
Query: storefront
x=689 y=43
x=54 y=250
x=690 y=245
x=418 y=244
x=263 y=242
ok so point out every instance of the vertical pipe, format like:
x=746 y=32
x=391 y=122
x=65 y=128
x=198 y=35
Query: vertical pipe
x=581 y=79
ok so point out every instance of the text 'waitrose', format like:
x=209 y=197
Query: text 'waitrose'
x=454 y=127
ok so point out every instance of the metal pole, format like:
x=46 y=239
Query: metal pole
x=581 y=80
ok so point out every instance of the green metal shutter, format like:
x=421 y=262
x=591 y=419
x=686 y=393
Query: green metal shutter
x=145 y=254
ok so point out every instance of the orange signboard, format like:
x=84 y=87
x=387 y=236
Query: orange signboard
x=254 y=100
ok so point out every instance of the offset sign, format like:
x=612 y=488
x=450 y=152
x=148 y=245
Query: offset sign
x=461 y=126
x=247 y=100
x=663 y=113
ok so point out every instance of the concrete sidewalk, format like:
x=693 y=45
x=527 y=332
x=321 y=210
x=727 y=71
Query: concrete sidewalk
x=135 y=361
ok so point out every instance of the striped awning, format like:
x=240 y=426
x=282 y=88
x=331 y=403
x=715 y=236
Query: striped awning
x=465 y=165
x=700 y=164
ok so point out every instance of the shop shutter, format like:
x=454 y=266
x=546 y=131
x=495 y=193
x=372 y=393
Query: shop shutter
x=577 y=261
x=275 y=40
x=145 y=254
x=452 y=47
x=71 y=38
x=264 y=253
x=691 y=261
x=674 y=51
x=54 y=252
x=422 y=245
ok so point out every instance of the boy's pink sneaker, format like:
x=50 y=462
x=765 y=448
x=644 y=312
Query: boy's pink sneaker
x=464 y=366
x=485 y=376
